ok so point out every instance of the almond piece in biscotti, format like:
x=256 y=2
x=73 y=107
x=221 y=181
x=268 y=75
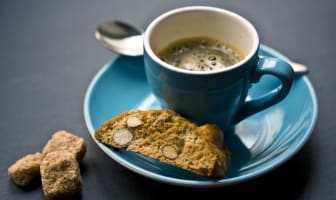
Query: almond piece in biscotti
x=133 y=121
x=169 y=151
x=122 y=136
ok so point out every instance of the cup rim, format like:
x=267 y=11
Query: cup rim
x=157 y=20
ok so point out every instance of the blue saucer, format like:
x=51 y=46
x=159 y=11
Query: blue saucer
x=259 y=144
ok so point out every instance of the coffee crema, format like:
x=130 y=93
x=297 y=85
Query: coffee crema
x=200 y=54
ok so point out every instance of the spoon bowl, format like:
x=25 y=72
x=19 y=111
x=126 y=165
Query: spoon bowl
x=120 y=38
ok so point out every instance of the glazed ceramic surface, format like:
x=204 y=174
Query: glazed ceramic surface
x=258 y=144
x=211 y=96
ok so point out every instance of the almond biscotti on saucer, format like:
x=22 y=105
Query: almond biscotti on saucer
x=166 y=136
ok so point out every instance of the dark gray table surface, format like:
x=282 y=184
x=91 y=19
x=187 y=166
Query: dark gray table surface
x=48 y=56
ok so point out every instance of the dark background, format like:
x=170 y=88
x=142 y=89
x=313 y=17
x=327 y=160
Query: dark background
x=48 y=56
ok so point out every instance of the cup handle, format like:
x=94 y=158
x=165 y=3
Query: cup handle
x=273 y=66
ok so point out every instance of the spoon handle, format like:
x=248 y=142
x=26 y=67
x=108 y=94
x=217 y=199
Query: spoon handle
x=299 y=68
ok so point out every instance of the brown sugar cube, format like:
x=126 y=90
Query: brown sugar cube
x=60 y=175
x=65 y=141
x=26 y=169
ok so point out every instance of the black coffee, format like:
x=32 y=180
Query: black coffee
x=200 y=54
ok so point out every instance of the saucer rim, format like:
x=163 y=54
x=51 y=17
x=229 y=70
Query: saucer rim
x=203 y=183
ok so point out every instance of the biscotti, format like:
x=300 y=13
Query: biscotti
x=166 y=136
x=26 y=169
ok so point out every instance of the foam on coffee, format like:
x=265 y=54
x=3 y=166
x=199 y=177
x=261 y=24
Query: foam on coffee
x=200 y=54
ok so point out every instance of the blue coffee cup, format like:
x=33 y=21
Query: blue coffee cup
x=218 y=96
